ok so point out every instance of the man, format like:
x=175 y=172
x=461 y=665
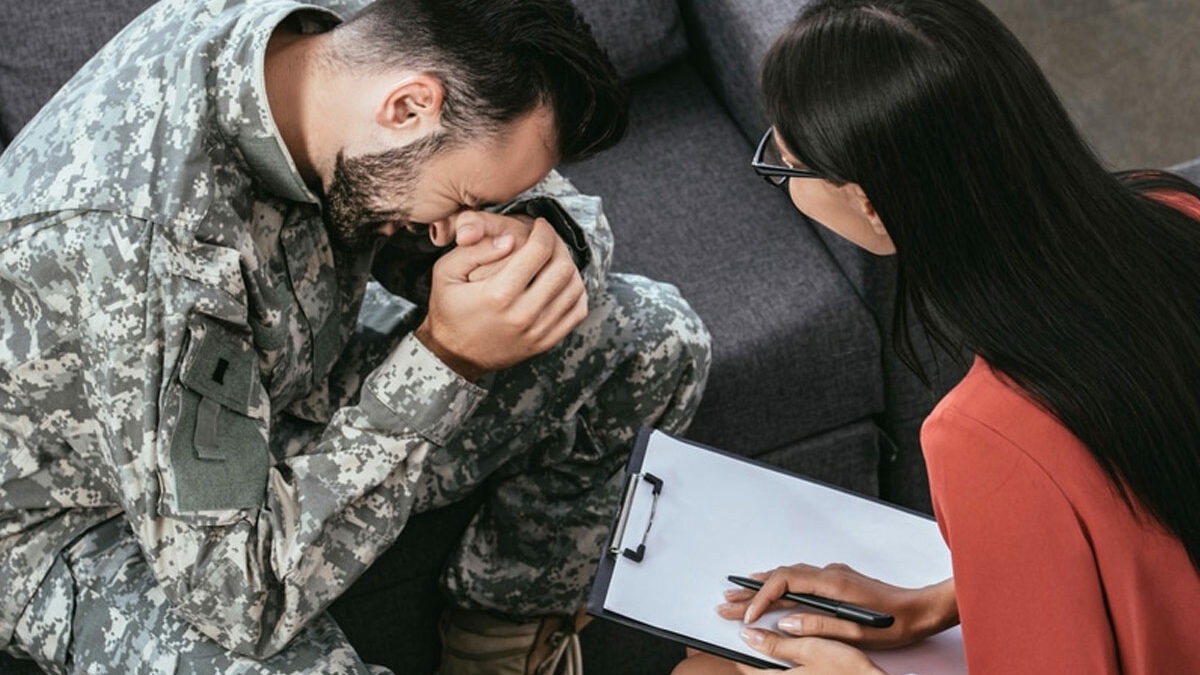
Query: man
x=198 y=452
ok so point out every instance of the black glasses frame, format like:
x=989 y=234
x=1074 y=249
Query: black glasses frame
x=773 y=173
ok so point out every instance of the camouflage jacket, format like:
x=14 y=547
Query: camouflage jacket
x=170 y=307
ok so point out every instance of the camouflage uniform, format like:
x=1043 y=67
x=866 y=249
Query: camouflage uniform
x=200 y=447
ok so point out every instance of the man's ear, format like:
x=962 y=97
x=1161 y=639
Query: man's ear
x=412 y=106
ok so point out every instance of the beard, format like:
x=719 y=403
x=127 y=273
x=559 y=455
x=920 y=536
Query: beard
x=369 y=192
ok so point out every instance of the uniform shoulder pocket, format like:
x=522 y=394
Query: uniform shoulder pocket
x=219 y=456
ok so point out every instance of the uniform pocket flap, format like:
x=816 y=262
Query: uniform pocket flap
x=220 y=365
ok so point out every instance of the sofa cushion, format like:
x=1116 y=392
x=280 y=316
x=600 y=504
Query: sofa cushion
x=640 y=36
x=795 y=351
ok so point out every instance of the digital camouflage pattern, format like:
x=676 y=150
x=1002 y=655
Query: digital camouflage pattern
x=180 y=361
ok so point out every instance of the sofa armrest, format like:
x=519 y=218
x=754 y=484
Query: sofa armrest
x=728 y=39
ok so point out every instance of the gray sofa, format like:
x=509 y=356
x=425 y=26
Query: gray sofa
x=803 y=375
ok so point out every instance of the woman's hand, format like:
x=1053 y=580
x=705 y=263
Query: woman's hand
x=919 y=612
x=811 y=655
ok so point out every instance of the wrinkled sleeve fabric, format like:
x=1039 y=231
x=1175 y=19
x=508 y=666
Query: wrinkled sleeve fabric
x=1029 y=591
x=579 y=220
x=248 y=546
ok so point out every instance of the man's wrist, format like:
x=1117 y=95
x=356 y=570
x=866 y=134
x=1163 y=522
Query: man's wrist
x=467 y=370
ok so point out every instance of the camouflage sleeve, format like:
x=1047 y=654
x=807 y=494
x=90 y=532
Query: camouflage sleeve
x=158 y=367
x=579 y=220
x=404 y=266
x=251 y=566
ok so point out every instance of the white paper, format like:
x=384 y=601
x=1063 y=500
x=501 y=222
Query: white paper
x=718 y=516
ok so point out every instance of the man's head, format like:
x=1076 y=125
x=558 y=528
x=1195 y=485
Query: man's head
x=460 y=103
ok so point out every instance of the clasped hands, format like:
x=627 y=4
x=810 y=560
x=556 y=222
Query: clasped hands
x=818 y=643
x=508 y=291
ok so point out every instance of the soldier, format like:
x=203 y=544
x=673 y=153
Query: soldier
x=199 y=450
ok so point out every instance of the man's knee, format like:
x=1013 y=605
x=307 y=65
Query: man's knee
x=652 y=323
x=659 y=354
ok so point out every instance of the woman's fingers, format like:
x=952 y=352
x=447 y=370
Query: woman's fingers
x=775 y=584
x=918 y=612
x=820 y=625
x=812 y=655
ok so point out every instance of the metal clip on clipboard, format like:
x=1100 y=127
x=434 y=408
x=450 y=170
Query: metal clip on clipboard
x=631 y=485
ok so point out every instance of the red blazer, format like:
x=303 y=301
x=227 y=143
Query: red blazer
x=1054 y=573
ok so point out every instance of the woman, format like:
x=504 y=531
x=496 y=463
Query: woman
x=1065 y=468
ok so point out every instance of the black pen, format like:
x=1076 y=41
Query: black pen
x=841 y=610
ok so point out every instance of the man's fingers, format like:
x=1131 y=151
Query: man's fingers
x=472 y=226
x=527 y=261
x=565 y=313
x=460 y=262
x=537 y=310
x=556 y=276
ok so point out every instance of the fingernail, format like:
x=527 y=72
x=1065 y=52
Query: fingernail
x=746 y=616
x=752 y=637
x=503 y=241
x=726 y=607
x=466 y=230
x=792 y=625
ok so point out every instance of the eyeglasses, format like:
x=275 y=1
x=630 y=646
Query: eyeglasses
x=769 y=164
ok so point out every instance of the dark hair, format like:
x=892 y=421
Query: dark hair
x=1012 y=240
x=498 y=60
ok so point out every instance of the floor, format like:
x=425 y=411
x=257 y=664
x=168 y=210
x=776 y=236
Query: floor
x=1128 y=71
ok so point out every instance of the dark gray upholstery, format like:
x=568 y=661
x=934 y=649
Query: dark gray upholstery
x=795 y=351
x=729 y=39
x=640 y=37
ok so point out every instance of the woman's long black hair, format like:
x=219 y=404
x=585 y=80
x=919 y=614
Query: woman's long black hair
x=1013 y=241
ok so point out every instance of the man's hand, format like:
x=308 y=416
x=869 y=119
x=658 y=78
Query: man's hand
x=473 y=227
x=527 y=305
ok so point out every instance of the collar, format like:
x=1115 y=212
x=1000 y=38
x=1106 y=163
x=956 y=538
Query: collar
x=243 y=113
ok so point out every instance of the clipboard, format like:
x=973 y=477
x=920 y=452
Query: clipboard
x=689 y=515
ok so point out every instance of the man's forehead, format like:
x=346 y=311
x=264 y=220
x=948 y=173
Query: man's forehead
x=496 y=172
